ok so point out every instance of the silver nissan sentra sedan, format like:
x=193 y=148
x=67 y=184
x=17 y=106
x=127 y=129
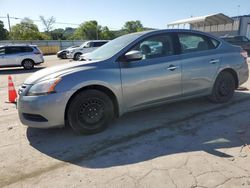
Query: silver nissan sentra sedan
x=132 y=72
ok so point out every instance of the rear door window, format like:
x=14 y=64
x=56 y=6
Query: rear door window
x=13 y=50
x=26 y=49
x=194 y=43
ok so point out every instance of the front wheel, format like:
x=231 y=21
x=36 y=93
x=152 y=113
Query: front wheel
x=90 y=112
x=77 y=56
x=224 y=88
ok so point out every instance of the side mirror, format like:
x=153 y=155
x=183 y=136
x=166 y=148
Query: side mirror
x=133 y=55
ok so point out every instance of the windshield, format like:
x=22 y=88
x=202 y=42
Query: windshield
x=111 y=48
x=83 y=45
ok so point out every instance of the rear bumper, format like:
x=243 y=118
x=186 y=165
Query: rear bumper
x=243 y=74
x=38 y=63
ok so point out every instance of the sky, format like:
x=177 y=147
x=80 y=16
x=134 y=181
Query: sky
x=114 y=13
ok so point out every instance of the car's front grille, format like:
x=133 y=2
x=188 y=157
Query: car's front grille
x=34 y=117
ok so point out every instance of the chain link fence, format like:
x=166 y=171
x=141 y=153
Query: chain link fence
x=46 y=46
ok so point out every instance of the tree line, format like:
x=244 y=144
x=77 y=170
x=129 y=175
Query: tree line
x=89 y=30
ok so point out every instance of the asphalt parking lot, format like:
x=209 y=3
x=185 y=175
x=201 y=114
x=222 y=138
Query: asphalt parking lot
x=187 y=144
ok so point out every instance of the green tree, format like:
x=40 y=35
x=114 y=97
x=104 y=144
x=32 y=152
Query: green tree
x=3 y=31
x=57 y=34
x=68 y=32
x=133 y=26
x=106 y=34
x=26 y=30
x=88 y=30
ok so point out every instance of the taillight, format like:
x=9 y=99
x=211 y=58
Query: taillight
x=244 y=54
x=37 y=53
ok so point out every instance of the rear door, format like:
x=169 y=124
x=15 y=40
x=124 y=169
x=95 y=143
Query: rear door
x=200 y=61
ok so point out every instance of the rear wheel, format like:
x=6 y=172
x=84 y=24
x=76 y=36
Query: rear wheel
x=28 y=64
x=224 y=88
x=90 y=112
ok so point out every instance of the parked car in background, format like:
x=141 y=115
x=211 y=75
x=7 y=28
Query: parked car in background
x=62 y=54
x=242 y=41
x=86 y=47
x=26 y=56
x=83 y=57
x=129 y=73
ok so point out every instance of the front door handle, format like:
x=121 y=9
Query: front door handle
x=214 y=61
x=172 y=67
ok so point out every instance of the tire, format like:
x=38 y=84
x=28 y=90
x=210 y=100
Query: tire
x=77 y=56
x=64 y=56
x=224 y=88
x=90 y=112
x=28 y=64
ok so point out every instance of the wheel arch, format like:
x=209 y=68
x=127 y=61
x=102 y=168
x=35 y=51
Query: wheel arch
x=101 y=88
x=77 y=53
x=25 y=59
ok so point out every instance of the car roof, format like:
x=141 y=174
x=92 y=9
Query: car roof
x=223 y=37
x=18 y=45
x=97 y=41
x=162 y=31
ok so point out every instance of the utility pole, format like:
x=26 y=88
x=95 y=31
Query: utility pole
x=8 y=17
x=97 y=32
x=238 y=11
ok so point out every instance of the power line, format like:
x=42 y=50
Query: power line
x=64 y=23
x=60 y=23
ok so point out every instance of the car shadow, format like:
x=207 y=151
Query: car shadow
x=7 y=71
x=187 y=126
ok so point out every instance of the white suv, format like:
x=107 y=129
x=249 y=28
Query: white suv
x=20 y=55
x=86 y=47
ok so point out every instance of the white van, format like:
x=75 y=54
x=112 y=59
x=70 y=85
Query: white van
x=86 y=47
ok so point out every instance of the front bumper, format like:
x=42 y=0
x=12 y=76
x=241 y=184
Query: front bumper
x=43 y=111
x=61 y=55
x=70 y=55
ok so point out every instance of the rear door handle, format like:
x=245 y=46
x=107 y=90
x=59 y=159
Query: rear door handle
x=214 y=61
x=172 y=67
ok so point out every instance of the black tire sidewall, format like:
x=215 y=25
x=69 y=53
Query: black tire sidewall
x=216 y=96
x=26 y=68
x=76 y=102
x=77 y=56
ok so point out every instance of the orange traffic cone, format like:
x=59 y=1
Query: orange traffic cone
x=12 y=90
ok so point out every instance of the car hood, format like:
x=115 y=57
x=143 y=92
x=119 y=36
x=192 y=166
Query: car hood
x=67 y=49
x=56 y=71
x=76 y=48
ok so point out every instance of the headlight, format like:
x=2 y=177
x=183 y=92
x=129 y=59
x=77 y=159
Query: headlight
x=44 y=87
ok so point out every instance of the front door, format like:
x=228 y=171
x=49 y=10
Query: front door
x=154 y=78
